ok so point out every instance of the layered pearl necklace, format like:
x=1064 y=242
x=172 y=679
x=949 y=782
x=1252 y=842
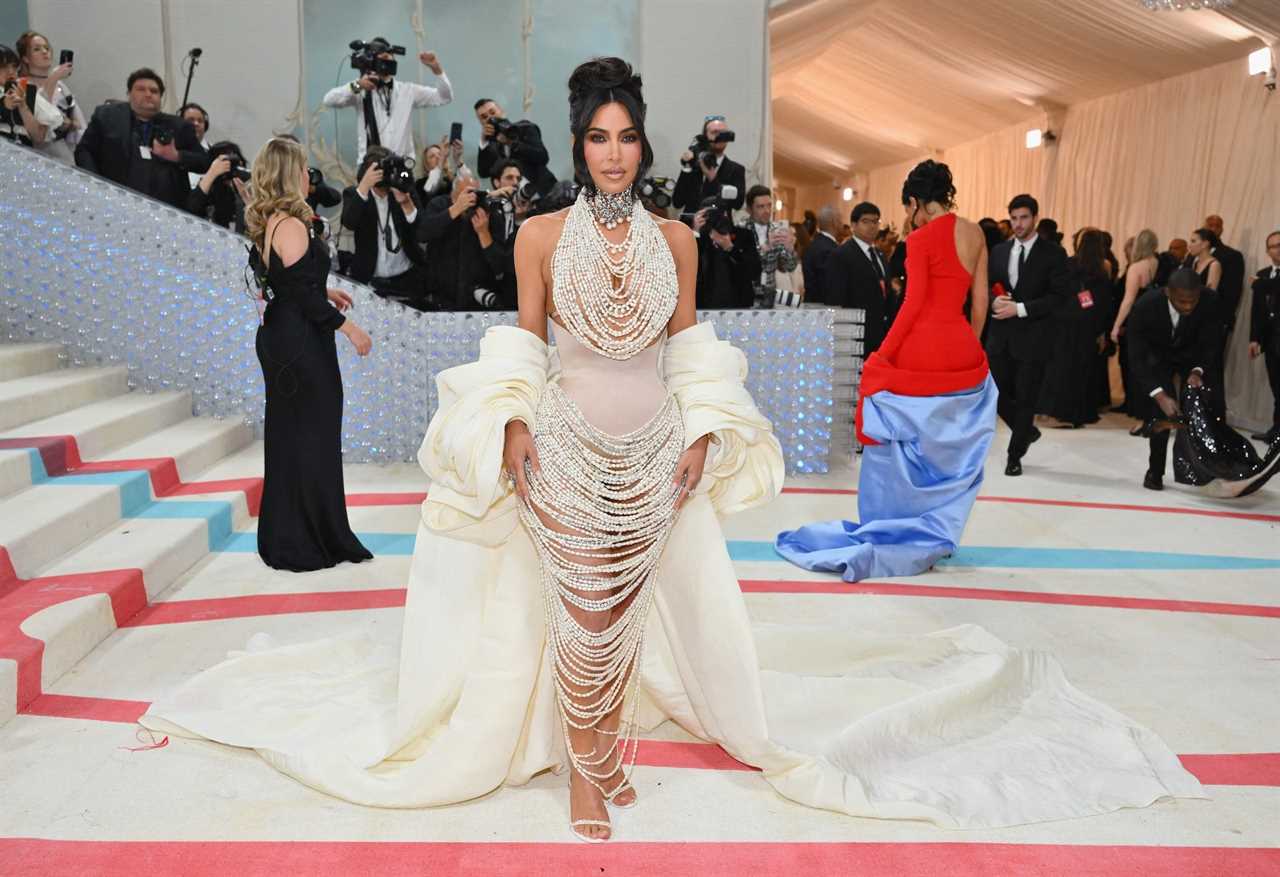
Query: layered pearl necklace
x=615 y=298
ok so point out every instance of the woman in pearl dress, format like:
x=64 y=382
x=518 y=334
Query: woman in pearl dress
x=571 y=586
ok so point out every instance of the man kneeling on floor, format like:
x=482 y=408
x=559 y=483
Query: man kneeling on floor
x=1174 y=336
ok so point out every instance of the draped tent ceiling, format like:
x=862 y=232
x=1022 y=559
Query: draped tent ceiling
x=860 y=84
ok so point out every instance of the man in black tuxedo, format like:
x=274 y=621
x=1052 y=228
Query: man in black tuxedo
x=1035 y=284
x=1264 y=328
x=857 y=277
x=471 y=255
x=1231 y=286
x=388 y=233
x=502 y=139
x=1173 y=337
x=134 y=144
x=816 y=258
x=696 y=184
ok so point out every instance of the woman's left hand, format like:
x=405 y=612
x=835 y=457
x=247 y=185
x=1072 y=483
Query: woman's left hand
x=689 y=469
x=340 y=298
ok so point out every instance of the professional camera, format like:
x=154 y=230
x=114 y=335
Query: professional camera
x=701 y=147
x=719 y=210
x=315 y=177
x=486 y=298
x=364 y=57
x=505 y=127
x=657 y=191
x=526 y=192
x=162 y=135
x=397 y=172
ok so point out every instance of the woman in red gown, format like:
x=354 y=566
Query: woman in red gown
x=926 y=405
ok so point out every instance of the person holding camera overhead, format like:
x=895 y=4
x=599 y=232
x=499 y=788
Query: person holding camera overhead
x=704 y=167
x=134 y=144
x=501 y=139
x=26 y=117
x=385 y=102
x=387 y=224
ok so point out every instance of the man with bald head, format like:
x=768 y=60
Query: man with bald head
x=1170 y=260
x=814 y=263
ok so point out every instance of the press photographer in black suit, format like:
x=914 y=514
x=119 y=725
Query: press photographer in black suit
x=816 y=257
x=728 y=261
x=388 y=233
x=857 y=276
x=134 y=144
x=501 y=139
x=1264 y=328
x=705 y=169
x=471 y=258
x=1173 y=336
x=1032 y=271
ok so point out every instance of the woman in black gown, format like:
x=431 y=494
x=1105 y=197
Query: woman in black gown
x=302 y=524
x=1069 y=391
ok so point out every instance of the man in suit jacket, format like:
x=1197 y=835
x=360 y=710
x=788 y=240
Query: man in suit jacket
x=1264 y=328
x=857 y=277
x=388 y=234
x=522 y=142
x=134 y=144
x=1231 y=286
x=696 y=184
x=1173 y=336
x=464 y=258
x=1036 y=282
x=814 y=262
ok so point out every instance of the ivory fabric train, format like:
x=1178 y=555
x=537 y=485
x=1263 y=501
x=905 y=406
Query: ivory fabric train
x=955 y=727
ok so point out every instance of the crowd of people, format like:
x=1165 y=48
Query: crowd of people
x=430 y=235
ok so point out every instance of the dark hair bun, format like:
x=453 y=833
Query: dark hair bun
x=929 y=181
x=603 y=74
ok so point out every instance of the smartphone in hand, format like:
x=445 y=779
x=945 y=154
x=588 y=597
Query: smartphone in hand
x=65 y=57
x=455 y=132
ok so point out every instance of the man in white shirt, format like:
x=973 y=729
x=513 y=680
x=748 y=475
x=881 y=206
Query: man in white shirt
x=387 y=226
x=390 y=101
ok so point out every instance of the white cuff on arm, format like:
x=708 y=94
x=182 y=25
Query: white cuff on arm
x=1156 y=392
x=1022 y=310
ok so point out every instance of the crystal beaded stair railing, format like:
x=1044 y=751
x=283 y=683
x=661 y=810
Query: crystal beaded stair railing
x=121 y=279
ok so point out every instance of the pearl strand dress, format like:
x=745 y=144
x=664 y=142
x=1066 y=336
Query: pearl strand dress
x=609 y=436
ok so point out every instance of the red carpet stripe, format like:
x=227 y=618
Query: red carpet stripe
x=255 y=605
x=31 y=856
x=376 y=499
x=1229 y=769
x=769 y=586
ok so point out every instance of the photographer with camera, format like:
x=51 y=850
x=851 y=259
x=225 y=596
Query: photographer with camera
x=728 y=261
x=471 y=265
x=501 y=139
x=385 y=102
x=134 y=144
x=36 y=64
x=388 y=228
x=26 y=116
x=704 y=167
x=221 y=193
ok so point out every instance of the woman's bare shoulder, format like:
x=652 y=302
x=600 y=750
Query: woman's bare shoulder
x=679 y=236
x=543 y=229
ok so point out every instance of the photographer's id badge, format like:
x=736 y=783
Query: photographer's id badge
x=1086 y=299
x=145 y=152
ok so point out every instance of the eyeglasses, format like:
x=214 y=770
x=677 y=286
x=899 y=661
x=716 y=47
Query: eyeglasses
x=712 y=119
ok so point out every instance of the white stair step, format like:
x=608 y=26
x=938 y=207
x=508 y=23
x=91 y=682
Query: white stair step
x=100 y=427
x=22 y=360
x=163 y=549
x=195 y=444
x=46 y=521
x=15 y=471
x=39 y=396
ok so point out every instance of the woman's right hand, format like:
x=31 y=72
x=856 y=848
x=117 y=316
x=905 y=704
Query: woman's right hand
x=217 y=168
x=1115 y=334
x=358 y=337
x=519 y=447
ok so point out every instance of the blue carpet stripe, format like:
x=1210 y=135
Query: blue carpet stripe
x=381 y=544
x=1014 y=557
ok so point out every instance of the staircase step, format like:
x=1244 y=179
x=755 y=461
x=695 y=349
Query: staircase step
x=43 y=522
x=23 y=360
x=39 y=396
x=194 y=445
x=97 y=428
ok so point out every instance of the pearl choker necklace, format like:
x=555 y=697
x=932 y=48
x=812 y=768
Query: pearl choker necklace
x=610 y=209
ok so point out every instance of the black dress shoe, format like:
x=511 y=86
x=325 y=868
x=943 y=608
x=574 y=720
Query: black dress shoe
x=1035 y=435
x=1152 y=481
x=1014 y=468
